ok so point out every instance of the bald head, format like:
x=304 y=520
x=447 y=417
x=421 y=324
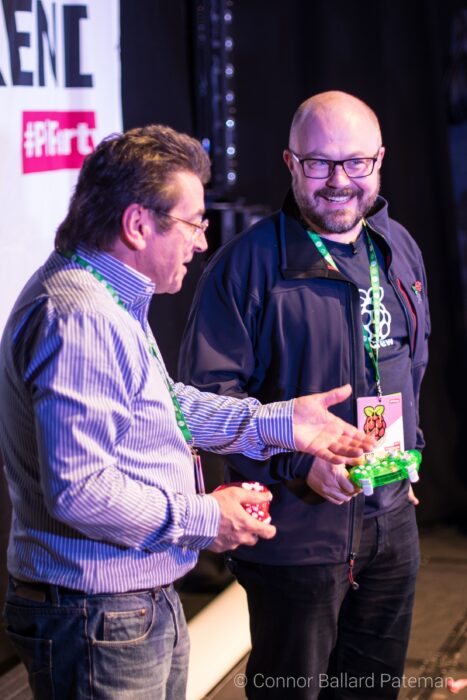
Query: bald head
x=334 y=111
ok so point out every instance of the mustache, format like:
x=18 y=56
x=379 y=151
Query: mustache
x=332 y=192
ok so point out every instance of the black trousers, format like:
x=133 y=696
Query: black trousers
x=315 y=636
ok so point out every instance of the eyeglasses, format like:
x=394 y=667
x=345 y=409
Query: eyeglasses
x=198 y=229
x=321 y=169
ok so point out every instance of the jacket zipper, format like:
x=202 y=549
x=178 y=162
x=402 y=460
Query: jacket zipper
x=399 y=291
x=352 y=515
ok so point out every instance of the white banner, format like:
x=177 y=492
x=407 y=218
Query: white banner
x=59 y=95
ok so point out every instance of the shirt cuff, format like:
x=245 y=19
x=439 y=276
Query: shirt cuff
x=202 y=524
x=275 y=424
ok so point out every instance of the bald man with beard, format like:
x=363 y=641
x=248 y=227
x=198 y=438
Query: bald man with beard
x=287 y=308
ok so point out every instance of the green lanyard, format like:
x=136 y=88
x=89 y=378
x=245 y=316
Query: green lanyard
x=376 y=294
x=180 y=418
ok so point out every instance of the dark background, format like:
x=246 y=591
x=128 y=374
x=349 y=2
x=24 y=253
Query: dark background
x=396 y=55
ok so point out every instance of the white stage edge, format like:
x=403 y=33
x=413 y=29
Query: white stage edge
x=220 y=638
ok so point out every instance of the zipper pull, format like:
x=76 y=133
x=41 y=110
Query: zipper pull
x=352 y=581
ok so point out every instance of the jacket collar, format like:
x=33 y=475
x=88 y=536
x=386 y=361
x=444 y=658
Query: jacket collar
x=299 y=257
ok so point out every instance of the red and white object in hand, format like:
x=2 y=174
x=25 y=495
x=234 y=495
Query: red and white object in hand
x=260 y=511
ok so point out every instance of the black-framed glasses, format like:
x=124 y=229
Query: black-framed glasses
x=321 y=168
x=198 y=229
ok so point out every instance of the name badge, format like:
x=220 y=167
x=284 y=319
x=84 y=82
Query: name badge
x=381 y=417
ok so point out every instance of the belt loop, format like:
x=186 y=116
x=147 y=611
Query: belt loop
x=54 y=592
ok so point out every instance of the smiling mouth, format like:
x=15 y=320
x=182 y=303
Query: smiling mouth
x=338 y=199
x=337 y=196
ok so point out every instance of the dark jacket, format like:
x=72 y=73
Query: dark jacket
x=270 y=320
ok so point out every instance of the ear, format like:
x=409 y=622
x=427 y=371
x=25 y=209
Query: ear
x=381 y=153
x=137 y=225
x=288 y=160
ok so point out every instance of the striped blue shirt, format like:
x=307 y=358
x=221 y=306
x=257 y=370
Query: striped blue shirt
x=100 y=476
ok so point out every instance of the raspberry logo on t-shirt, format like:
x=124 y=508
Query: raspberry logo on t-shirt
x=366 y=299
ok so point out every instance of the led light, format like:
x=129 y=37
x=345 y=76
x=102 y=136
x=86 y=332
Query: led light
x=230 y=123
x=229 y=70
x=227 y=16
x=231 y=176
x=229 y=97
x=231 y=150
x=228 y=43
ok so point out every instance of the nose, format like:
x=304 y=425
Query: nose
x=338 y=177
x=200 y=243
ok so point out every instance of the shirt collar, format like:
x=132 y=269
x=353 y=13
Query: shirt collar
x=133 y=288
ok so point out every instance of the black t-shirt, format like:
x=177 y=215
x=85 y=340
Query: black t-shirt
x=394 y=363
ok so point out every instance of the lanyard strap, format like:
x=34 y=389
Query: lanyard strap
x=180 y=418
x=373 y=353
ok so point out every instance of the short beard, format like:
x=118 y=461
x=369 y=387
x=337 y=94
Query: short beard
x=336 y=221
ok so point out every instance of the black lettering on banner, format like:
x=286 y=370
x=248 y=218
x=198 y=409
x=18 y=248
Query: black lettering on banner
x=72 y=14
x=43 y=31
x=17 y=39
x=45 y=26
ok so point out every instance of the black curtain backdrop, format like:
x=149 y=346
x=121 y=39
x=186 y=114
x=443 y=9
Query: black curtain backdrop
x=393 y=54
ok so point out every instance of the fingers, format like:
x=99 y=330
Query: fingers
x=328 y=456
x=331 y=482
x=412 y=497
x=367 y=442
x=351 y=438
x=338 y=499
x=323 y=433
x=252 y=496
x=346 y=486
x=348 y=450
x=265 y=532
x=337 y=395
x=228 y=542
x=336 y=495
x=341 y=493
x=250 y=538
x=252 y=530
x=237 y=527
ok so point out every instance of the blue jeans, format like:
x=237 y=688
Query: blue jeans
x=314 y=636
x=105 y=647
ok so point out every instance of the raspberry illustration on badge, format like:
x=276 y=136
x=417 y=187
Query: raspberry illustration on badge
x=374 y=424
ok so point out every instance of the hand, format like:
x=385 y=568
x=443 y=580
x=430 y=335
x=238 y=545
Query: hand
x=412 y=497
x=318 y=432
x=331 y=481
x=237 y=526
